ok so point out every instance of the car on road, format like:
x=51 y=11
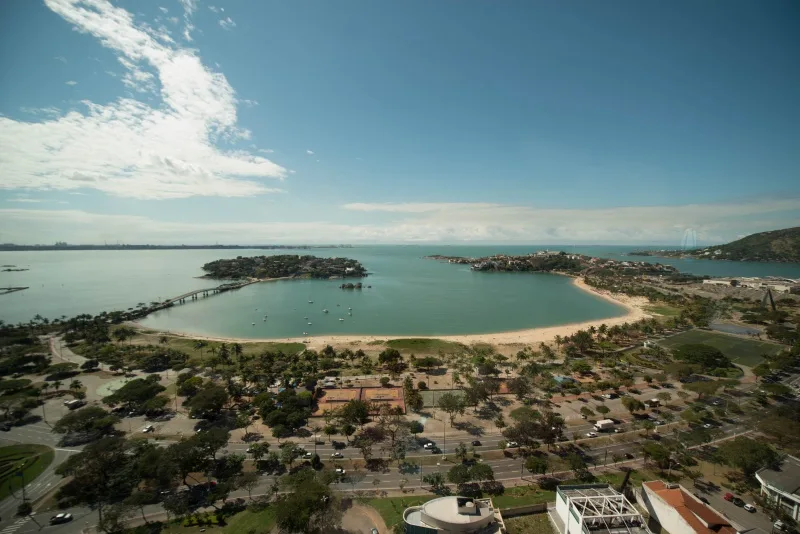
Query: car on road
x=708 y=425
x=308 y=455
x=701 y=498
x=729 y=497
x=5 y=427
x=780 y=526
x=750 y=508
x=738 y=502
x=658 y=423
x=511 y=444
x=61 y=518
x=629 y=456
x=428 y=446
x=148 y=429
x=591 y=434
x=337 y=455
x=476 y=443
x=374 y=531
x=340 y=472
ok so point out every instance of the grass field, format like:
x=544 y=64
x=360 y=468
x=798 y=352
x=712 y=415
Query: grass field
x=33 y=459
x=740 y=350
x=430 y=398
x=186 y=344
x=424 y=345
x=391 y=509
x=530 y=524
x=243 y=522
x=663 y=309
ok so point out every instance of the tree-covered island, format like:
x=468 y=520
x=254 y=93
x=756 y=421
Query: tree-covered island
x=283 y=266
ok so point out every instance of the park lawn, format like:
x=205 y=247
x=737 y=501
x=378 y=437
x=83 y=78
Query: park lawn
x=242 y=522
x=530 y=524
x=740 y=350
x=391 y=509
x=186 y=344
x=424 y=345
x=663 y=309
x=35 y=458
x=523 y=495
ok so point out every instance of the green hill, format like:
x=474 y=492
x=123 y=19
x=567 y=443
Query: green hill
x=777 y=245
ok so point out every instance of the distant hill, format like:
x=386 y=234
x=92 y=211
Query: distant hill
x=777 y=246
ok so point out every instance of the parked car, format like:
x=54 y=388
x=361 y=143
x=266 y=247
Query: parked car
x=780 y=526
x=701 y=498
x=738 y=502
x=429 y=445
x=750 y=508
x=60 y=519
x=337 y=455
x=511 y=444
x=5 y=427
x=340 y=472
x=476 y=443
x=729 y=497
x=591 y=434
x=308 y=455
x=629 y=456
x=148 y=429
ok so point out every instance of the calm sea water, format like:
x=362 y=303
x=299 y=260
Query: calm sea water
x=409 y=295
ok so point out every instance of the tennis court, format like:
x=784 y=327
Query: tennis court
x=430 y=397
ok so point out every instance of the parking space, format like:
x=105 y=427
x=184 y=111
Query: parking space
x=737 y=515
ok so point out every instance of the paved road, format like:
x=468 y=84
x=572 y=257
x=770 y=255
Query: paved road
x=738 y=515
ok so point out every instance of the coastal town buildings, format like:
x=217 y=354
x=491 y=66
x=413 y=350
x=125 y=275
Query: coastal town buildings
x=782 y=485
x=677 y=510
x=778 y=285
x=454 y=514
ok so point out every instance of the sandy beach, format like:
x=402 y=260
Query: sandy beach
x=531 y=336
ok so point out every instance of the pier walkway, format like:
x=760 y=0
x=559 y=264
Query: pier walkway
x=206 y=292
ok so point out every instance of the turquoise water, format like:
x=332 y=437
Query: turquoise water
x=409 y=295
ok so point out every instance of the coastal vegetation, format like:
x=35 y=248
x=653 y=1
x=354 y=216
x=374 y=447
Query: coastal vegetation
x=283 y=266
x=774 y=246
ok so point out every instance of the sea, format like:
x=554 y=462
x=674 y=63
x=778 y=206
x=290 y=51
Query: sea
x=409 y=295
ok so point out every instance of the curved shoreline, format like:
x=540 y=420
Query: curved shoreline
x=528 y=336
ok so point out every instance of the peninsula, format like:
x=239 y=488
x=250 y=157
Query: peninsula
x=283 y=266
x=780 y=246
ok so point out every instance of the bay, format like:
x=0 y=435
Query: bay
x=409 y=295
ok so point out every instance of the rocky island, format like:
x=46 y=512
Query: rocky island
x=283 y=266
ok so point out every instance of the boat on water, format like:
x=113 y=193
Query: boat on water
x=309 y=324
x=306 y=318
x=253 y=324
x=341 y=319
x=349 y=313
x=324 y=311
x=349 y=308
x=311 y=302
x=305 y=333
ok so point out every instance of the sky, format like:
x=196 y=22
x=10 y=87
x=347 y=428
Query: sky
x=311 y=121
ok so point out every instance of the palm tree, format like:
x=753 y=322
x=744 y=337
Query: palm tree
x=57 y=384
x=237 y=350
x=75 y=385
x=199 y=345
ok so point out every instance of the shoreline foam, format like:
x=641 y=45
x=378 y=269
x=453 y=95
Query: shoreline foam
x=633 y=305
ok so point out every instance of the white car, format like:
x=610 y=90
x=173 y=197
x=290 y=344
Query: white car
x=708 y=425
x=340 y=472
x=512 y=444
x=429 y=445
x=591 y=434
x=148 y=429
x=750 y=508
x=61 y=518
x=337 y=455
x=308 y=455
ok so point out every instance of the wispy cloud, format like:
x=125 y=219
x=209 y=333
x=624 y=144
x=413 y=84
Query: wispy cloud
x=227 y=23
x=266 y=150
x=25 y=200
x=131 y=148
x=213 y=9
x=71 y=82
x=310 y=152
x=164 y=10
x=485 y=223
x=62 y=59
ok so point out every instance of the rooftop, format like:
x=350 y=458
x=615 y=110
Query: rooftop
x=701 y=518
x=471 y=515
x=603 y=509
x=786 y=478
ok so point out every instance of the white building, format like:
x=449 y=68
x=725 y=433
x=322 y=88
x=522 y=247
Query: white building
x=595 y=508
x=454 y=514
x=677 y=510
x=783 y=485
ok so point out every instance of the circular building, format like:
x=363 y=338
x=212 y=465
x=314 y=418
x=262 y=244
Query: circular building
x=453 y=514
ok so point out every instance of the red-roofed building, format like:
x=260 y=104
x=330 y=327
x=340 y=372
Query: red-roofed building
x=677 y=510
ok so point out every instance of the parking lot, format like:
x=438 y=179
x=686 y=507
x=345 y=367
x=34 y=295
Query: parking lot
x=737 y=515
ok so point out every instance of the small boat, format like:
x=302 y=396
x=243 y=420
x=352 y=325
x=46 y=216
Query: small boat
x=305 y=333
x=309 y=323
x=324 y=311
x=349 y=308
x=311 y=302
x=349 y=313
x=341 y=319
x=338 y=304
x=254 y=324
x=306 y=318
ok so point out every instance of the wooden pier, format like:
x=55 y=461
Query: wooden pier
x=6 y=290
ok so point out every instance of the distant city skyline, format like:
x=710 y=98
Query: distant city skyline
x=189 y=122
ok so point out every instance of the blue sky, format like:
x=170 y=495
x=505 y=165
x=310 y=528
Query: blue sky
x=357 y=121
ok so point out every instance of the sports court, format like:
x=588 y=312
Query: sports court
x=391 y=396
x=332 y=399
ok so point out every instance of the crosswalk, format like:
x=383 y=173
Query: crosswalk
x=10 y=529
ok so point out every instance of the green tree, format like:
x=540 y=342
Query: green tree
x=89 y=420
x=632 y=405
x=747 y=454
x=602 y=409
x=307 y=505
x=458 y=474
x=537 y=464
x=415 y=427
x=452 y=405
x=461 y=451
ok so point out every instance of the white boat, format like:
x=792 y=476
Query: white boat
x=349 y=313
x=306 y=318
x=305 y=333
x=341 y=319
x=311 y=302
x=253 y=324
x=324 y=311
x=309 y=323
x=349 y=308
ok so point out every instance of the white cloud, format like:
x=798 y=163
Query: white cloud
x=249 y=103
x=130 y=148
x=71 y=82
x=164 y=10
x=227 y=23
x=49 y=111
x=266 y=150
x=485 y=223
x=62 y=59
x=26 y=200
x=213 y=9
x=310 y=152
